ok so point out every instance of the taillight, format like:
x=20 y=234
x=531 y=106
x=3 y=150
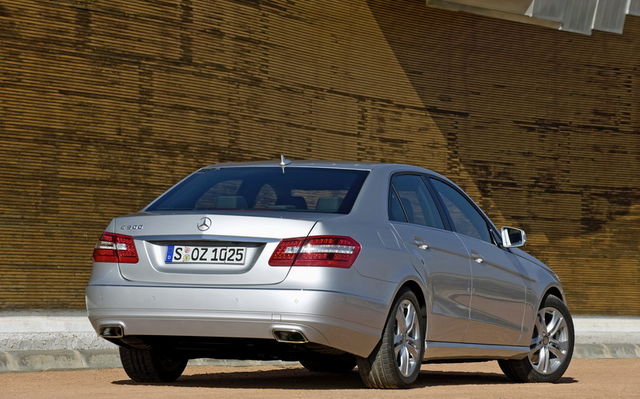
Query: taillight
x=327 y=251
x=286 y=251
x=113 y=247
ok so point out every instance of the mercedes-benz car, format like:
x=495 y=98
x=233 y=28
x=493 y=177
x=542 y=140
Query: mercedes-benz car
x=335 y=265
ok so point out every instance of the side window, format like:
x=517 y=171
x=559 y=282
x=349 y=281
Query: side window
x=416 y=201
x=466 y=219
x=395 y=209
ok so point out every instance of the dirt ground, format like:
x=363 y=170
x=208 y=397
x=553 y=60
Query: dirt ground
x=586 y=378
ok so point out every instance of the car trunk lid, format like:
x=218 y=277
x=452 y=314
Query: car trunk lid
x=163 y=241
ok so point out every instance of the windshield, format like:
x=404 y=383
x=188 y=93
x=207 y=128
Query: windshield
x=265 y=188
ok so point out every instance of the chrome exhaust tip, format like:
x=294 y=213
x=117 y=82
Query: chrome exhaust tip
x=289 y=336
x=111 y=331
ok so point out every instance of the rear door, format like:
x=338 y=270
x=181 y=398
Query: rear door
x=498 y=286
x=438 y=254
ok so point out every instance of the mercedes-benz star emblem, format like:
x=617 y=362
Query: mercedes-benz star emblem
x=204 y=224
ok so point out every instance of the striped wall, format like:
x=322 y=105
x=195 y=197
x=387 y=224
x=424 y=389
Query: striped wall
x=104 y=104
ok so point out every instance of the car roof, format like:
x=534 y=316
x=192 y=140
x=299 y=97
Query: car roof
x=378 y=167
x=325 y=164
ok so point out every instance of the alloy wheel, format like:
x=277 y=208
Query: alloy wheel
x=407 y=342
x=550 y=341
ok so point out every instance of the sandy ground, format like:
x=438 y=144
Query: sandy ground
x=586 y=378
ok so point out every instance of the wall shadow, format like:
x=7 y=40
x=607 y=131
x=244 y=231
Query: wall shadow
x=525 y=109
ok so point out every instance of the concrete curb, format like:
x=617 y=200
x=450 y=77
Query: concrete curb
x=36 y=341
x=606 y=351
x=43 y=360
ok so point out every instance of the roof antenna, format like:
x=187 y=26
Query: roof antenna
x=284 y=162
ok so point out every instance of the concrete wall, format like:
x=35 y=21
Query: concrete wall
x=104 y=104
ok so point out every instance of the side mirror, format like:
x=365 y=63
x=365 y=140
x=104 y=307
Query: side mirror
x=512 y=237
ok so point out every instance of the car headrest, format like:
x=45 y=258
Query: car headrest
x=296 y=202
x=230 y=202
x=328 y=204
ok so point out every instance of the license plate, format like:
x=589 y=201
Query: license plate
x=185 y=254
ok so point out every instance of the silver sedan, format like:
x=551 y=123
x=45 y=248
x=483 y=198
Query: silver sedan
x=333 y=265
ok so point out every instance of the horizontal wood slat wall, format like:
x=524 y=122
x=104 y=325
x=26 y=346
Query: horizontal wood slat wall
x=105 y=104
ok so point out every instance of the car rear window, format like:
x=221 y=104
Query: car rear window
x=265 y=188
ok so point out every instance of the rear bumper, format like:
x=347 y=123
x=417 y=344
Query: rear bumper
x=340 y=320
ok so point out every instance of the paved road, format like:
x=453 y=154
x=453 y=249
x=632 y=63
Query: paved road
x=586 y=378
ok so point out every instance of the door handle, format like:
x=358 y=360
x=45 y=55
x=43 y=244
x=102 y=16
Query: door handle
x=421 y=244
x=476 y=257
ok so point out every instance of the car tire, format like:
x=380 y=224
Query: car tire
x=395 y=362
x=149 y=365
x=551 y=346
x=323 y=363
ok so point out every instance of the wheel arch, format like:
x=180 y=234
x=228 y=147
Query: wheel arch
x=552 y=290
x=415 y=287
